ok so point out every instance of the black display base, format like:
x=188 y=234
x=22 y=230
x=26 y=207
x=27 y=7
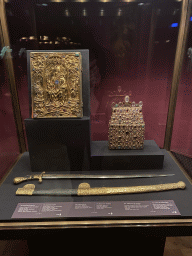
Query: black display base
x=58 y=144
x=114 y=236
x=151 y=157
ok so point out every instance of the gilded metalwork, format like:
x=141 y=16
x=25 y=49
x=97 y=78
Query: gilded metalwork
x=56 y=81
x=126 y=126
x=29 y=177
x=26 y=190
x=18 y=180
x=84 y=189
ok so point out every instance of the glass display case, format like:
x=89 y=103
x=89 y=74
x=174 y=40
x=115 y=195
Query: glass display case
x=132 y=47
x=137 y=58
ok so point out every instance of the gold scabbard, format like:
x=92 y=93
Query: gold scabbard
x=84 y=189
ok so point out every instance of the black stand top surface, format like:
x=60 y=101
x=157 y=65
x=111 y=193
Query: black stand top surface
x=182 y=198
x=100 y=148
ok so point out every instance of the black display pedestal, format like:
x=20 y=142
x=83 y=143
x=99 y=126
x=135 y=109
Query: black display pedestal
x=61 y=144
x=58 y=144
x=138 y=244
x=151 y=157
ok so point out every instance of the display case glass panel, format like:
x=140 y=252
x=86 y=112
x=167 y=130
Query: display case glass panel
x=131 y=46
x=182 y=129
x=9 y=148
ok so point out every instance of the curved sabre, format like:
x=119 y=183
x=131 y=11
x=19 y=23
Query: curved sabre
x=42 y=176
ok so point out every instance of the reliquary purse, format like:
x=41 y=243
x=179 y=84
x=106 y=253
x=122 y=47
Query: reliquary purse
x=126 y=126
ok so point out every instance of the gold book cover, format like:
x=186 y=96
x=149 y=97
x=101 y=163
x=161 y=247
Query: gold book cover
x=56 y=84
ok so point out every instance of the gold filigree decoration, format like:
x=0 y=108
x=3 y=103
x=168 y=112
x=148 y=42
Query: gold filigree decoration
x=86 y=190
x=56 y=81
x=126 y=126
x=18 y=180
x=26 y=190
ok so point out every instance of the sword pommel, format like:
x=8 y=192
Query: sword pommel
x=181 y=185
x=18 y=180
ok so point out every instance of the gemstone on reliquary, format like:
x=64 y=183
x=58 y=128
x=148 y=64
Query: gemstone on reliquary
x=127 y=99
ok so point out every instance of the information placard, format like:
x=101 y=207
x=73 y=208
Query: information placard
x=95 y=209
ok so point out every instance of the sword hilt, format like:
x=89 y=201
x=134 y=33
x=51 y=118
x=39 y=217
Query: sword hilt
x=39 y=177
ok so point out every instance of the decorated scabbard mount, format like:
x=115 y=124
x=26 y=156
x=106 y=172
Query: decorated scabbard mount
x=56 y=84
x=84 y=189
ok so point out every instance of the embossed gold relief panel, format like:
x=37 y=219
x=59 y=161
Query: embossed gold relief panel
x=56 y=84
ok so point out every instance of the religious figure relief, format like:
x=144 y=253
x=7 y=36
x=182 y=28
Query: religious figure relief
x=56 y=80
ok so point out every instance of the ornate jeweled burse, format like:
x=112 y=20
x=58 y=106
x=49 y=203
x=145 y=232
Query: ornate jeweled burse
x=56 y=84
x=126 y=126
